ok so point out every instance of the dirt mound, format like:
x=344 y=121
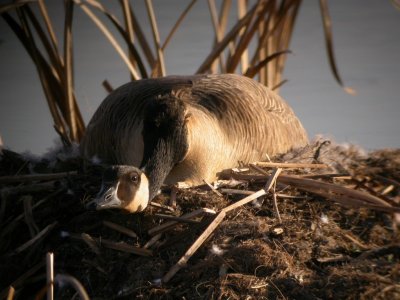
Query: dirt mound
x=330 y=242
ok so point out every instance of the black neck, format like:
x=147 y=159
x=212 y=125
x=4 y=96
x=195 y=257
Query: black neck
x=165 y=139
x=158 y=166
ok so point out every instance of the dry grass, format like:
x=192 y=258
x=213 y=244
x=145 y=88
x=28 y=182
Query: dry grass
x=320 y=247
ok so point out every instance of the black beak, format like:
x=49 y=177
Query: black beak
x=108 y=199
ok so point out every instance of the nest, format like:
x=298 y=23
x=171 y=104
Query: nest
x=319 y=222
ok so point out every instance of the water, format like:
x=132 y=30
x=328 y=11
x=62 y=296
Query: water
x=366 y=39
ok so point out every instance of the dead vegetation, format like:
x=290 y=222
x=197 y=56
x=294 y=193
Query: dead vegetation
x=208 y=246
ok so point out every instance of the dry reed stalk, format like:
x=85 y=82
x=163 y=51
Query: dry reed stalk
x=329 y=176
x=88 y=240
x=20 y=280
x=225 y=41
x=223 y=22
x=160 y=66
x=109 y=36
x=152 y=241
x=177 y=219
x=144 y=45
x=177 y=24
x=11 y=292
x=28 y=214
x=51 y=73
x=244 y=58
x=14 y=5
x=68 y=64
x=49 y=25
x=276 y=209
x=136 y=58
x=162 y=206
x=236 y=192
x=107 y=86
x=309 y=184
x=216 y=26
x=121 y=229
x=35 y=177
x=327 y=24
x=36 y=238
x=253 y=70
x=33 y=188
x=256 y=18
x=271 y=179
x=124 y=247
x=126 y=10
x=8 y=227
x=120 y=246
x=50 y=275
x=342 y=195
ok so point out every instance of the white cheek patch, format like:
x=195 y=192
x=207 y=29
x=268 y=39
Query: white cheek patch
x=141 y=198
x=115 y=194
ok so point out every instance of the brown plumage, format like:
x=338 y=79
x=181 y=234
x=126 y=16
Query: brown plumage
x=188 y=128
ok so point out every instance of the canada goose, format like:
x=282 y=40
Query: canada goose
x=184 y=129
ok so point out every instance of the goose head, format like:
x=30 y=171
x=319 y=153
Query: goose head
x=123 y=187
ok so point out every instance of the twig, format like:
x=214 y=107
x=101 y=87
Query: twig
x=88 y=239
x=62 y=279
x=290 y=165
x=29 y=243
x=392 y=248
x=257 y=194
x=172 y=198
x=50 y=275
x=175 y=218
x=16 y=283
x=162 y=206
x=353 y=239
x=328 y=176
x=121 y=229
x=152 y=241
x=124 y=247
x=107 y=86
x=28 y=214
x=34 y=188
x=37 y=204
x=167 y=225
x=276 y=207
x=237 y=192
x=121 y=246
x=334 y=259
x=36 y=177
x=212 y=188
x=11 y=292
x=200 y=240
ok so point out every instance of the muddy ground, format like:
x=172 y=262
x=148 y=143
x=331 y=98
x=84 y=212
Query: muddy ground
x=319 y=250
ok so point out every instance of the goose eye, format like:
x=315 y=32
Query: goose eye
x=134 y=178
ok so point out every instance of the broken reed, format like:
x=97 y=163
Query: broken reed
x=262 y=27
